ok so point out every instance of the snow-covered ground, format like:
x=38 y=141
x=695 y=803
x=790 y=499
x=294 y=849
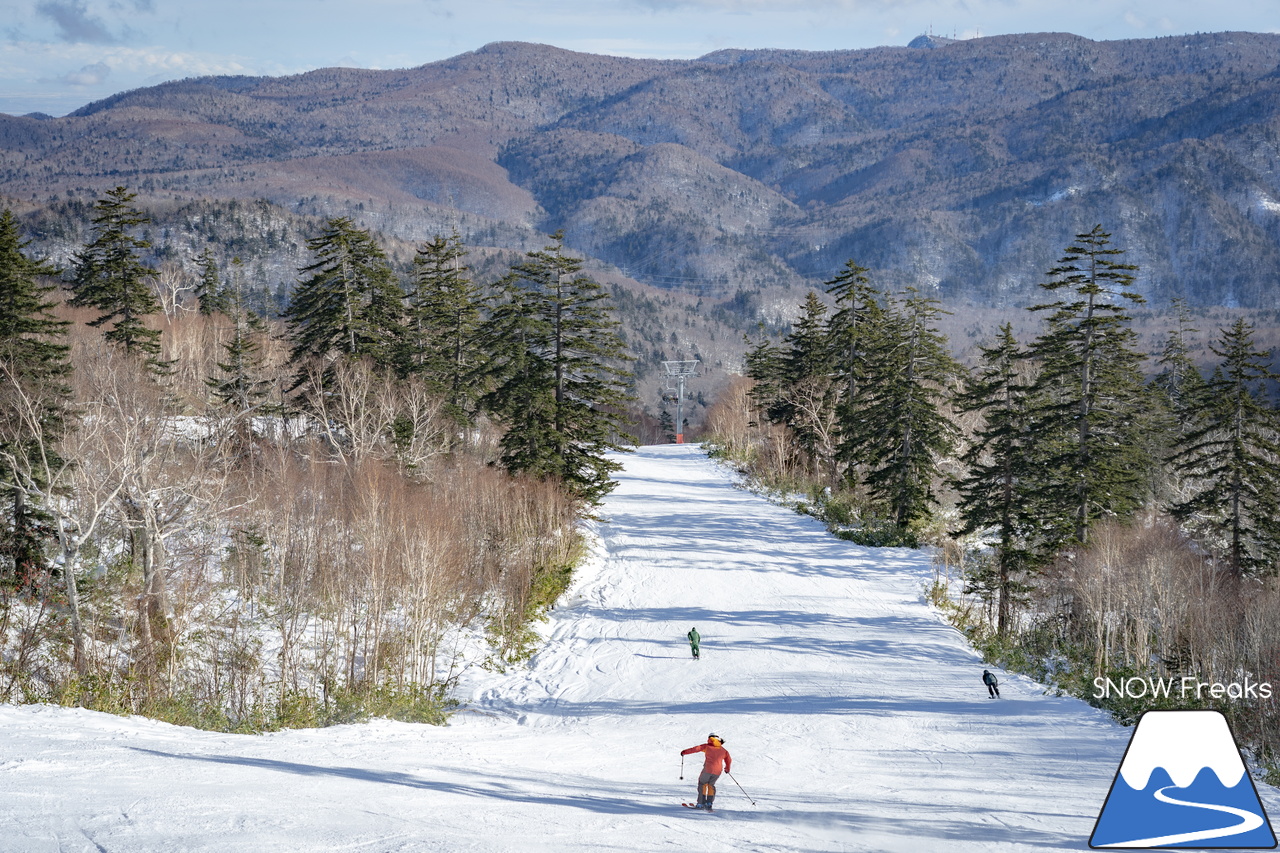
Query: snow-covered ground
x=856 y=720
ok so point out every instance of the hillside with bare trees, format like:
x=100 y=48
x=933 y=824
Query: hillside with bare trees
x=956 y=168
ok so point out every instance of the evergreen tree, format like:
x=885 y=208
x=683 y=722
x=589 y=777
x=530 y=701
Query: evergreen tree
x=764 y=365
x=901 y=431
x=1232 y=457
x=808 y=349
x=347 y=303
x=442 y=337
x=796 y=387
x=1089 y=394
x=811 y=388
x=210 y=294
x=33 y=408
x=999 y=489
x=667 y=424
x=1174 y=393
x=559 y=387
x=1179 y=381
x=854 y=334
x=110 y=276
x=242 y=388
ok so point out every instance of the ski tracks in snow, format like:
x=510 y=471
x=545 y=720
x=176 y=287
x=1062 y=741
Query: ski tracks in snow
x=857 y=713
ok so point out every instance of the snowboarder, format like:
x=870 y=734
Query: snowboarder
x=993 y=685
x=717 y=761
x=694 y=641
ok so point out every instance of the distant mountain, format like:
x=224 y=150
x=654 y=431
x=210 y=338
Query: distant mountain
x=966 y=166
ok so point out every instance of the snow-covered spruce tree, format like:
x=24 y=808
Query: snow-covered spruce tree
x=1089 y=396
x=347 y=302
x=109 y=275
x=559 y=380
x=900 y=430
x=998 y=490
x=34 y=397
x=1231 y=458
x=443 y=318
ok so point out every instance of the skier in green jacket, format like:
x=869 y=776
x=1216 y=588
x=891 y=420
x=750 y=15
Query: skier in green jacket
x=694 y=640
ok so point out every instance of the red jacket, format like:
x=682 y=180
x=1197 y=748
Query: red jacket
x=717 y=761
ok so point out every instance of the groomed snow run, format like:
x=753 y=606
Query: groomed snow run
x=856 y=719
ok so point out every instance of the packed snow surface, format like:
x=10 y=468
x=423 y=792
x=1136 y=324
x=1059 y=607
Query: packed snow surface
x=856 y=718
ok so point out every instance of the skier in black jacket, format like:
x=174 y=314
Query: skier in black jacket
x=993 y=686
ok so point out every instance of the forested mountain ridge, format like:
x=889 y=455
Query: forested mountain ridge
x=962 y=167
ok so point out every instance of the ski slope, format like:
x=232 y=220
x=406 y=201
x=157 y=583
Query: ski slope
x=856 y=720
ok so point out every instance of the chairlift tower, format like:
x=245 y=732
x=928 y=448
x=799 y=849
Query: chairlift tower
x=678 y=370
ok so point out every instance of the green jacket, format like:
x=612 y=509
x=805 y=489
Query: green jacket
x=693 y=637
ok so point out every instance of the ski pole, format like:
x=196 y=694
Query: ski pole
x=744 y=793
x=682 y=767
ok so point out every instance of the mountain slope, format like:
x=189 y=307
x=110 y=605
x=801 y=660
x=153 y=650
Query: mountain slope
x=856 y=719
x=967 y=167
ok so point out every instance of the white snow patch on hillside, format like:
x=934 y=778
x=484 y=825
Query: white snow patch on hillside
x=1057 y=196
x=856 y=719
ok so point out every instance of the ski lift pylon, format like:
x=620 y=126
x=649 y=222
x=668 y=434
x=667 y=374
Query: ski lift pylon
x=678 y=370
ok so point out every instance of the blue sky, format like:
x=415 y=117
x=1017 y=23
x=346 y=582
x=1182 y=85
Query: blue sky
x=57 y=55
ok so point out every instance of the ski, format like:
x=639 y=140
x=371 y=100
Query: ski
x=695 y=806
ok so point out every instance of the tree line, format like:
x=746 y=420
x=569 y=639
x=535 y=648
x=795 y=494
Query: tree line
x=390 y=463
x=1017 y=464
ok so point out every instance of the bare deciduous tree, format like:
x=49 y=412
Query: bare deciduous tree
x=173 y=284
x=74 y=479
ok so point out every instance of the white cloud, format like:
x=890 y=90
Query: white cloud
x=94 y=65
x=58 y=78
x=90 y=75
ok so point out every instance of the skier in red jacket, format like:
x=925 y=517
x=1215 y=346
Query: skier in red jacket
x=717 y=761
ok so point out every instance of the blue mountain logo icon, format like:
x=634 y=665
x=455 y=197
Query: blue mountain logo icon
x=1182 y=783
